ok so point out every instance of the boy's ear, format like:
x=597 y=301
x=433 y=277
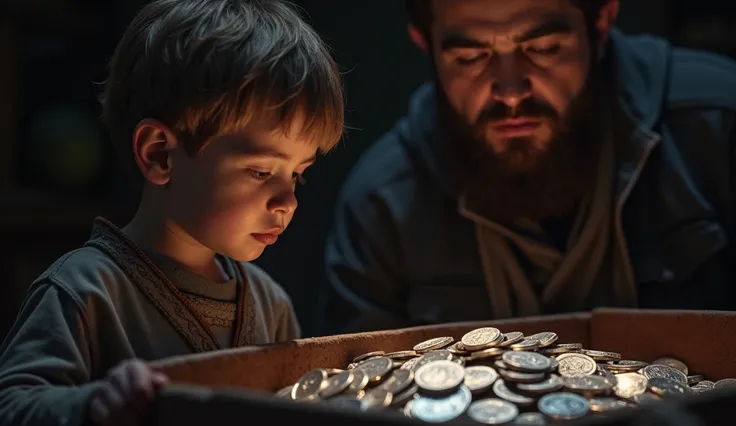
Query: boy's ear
x=153 y=146
x=418 y=38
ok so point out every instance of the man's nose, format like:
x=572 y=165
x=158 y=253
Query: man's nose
x=510 y=81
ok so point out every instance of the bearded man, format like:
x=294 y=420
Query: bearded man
x=553 y=165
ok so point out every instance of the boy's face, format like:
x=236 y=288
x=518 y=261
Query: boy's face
x=237 y=195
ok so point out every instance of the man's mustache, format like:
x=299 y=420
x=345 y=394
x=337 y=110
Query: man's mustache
x=528 y=108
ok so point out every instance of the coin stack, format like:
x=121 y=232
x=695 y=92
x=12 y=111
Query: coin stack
x=498 y=378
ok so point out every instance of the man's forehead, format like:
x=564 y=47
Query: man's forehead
x=501 y=17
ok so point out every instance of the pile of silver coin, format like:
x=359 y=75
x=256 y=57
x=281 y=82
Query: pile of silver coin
x=498 y=378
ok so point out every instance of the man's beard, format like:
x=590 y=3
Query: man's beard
x=524 y=181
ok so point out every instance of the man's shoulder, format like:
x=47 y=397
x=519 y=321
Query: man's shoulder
x=700 y=79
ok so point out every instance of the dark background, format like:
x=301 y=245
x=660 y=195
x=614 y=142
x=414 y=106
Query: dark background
x=57 y=171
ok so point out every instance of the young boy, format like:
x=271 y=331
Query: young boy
x=221 y=105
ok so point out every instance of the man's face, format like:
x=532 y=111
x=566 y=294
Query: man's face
x=511 y=69
x=237 y=194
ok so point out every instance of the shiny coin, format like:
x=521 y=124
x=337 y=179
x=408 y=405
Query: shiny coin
x=576 y=365
x=502 y=391
x=484 y=354
x=559 y=351
x=602 y=405
x=527 y=362
x=602 y=355
x=337 y=384
x=401 y=355
x=628 y=385
x=439 y=376
x=285 y=392
x=441 y=355
x=665 y=387
x=309 y=385
x=526 y=345
x=551 y=384
x=440 y=410
x=360 y=381
x=398 y=381
x=665 y=372
x=517 y=377
x=570 y=345
x=545 y=339
x=481 y=338
x=376 y=368
x=333 y=371
x=492 y=411
x=377 y=398
x=347 y=403
x=672 y=362
x=511 y=338
x=479 y=378
x=645 y=398
x=588 y=385
x=563 y=406
x=554 y=364
x=530 y=419
x=706 y=384
x=625 y=366
x=457 y=348
x=724 y=383
x=365 y=356
x=694 y=379
x=411 y=364
x=406 y=395
x=432 y=344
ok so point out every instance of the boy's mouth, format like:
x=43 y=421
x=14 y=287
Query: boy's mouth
x=269 y=237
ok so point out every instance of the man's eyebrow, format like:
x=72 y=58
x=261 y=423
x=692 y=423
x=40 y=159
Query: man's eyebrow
x=555 y=25
x=456 y=40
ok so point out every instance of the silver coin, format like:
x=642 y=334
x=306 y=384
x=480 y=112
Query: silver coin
x=439 y=376
x=502 y=391
x=479 y=378
x=724 y=383
x=492 y=411
x=309 y=385
x=527 y=362
x=664 y=387
x=551 y=384
x=628 y=385
x=576 y=365
x=436 y=343
x=665 y=372
x=440 y=410
x=588 y=384
x=545 y=338
x=511 y=338
x=376 y=368
x=377 y=398
x=441 y=355
x=531 y=419
x=602 y=405
x=563 y=406
x=672 y=362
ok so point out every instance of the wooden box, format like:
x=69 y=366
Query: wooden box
x=235 y=386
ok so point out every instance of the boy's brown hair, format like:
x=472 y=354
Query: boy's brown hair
x=210 y=67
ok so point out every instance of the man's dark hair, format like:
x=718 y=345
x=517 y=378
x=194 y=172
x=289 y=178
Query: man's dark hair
x=420 y=12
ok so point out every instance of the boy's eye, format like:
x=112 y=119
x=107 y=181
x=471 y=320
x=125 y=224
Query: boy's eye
x=470 y=60
x=255 y=174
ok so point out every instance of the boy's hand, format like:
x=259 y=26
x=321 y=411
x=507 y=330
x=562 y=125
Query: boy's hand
x=125 y=394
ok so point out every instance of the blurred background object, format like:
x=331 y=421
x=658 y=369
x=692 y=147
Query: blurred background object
x=57 y=171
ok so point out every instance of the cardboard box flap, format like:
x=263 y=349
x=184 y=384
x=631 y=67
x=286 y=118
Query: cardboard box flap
x=704 y=340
